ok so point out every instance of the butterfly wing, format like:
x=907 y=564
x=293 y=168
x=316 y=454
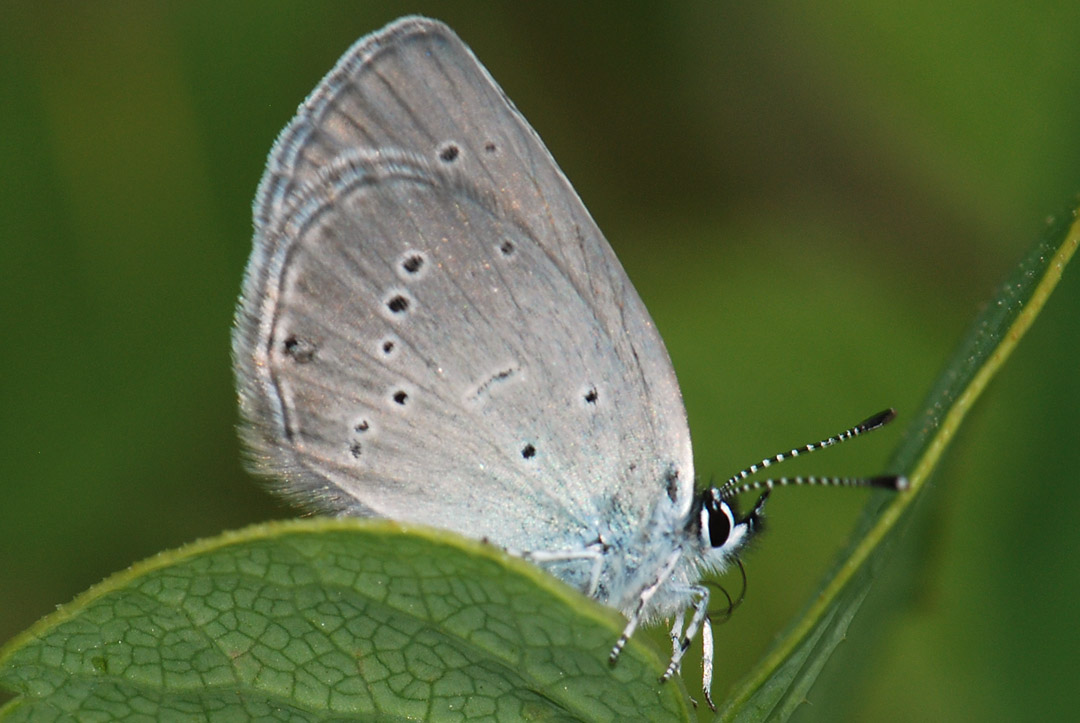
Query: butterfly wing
x=432 y=327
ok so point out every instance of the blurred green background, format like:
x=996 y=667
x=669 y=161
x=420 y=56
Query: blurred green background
x=813 y=202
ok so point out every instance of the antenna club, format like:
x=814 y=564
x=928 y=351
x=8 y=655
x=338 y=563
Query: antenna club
x=899 y=483
x=878 y=420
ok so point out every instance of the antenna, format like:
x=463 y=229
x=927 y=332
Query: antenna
x=732 y=488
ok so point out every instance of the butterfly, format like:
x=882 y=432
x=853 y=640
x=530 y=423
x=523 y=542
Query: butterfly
x=433 y=329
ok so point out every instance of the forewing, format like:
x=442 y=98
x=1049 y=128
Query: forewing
x=432 y=327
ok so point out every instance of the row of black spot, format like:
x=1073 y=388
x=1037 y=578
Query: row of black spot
x=450 y=152
x=412 y=265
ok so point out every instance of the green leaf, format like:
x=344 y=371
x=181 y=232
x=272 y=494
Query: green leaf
x=781 y=681
x=333 y=619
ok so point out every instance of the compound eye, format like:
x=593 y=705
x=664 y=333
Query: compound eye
x=720 y=523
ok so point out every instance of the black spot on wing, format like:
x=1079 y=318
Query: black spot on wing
x=299 y=350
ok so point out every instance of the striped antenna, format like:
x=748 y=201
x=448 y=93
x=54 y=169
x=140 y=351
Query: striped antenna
x=732 y=487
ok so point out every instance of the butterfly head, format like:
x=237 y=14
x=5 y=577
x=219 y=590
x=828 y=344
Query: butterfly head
x=722 y=530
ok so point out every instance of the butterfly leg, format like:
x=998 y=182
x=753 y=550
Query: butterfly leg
x=676 y=631
x=700 y=606
x=707 y=661
x=593 y=552
x=634 y=618
x=677 y=650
